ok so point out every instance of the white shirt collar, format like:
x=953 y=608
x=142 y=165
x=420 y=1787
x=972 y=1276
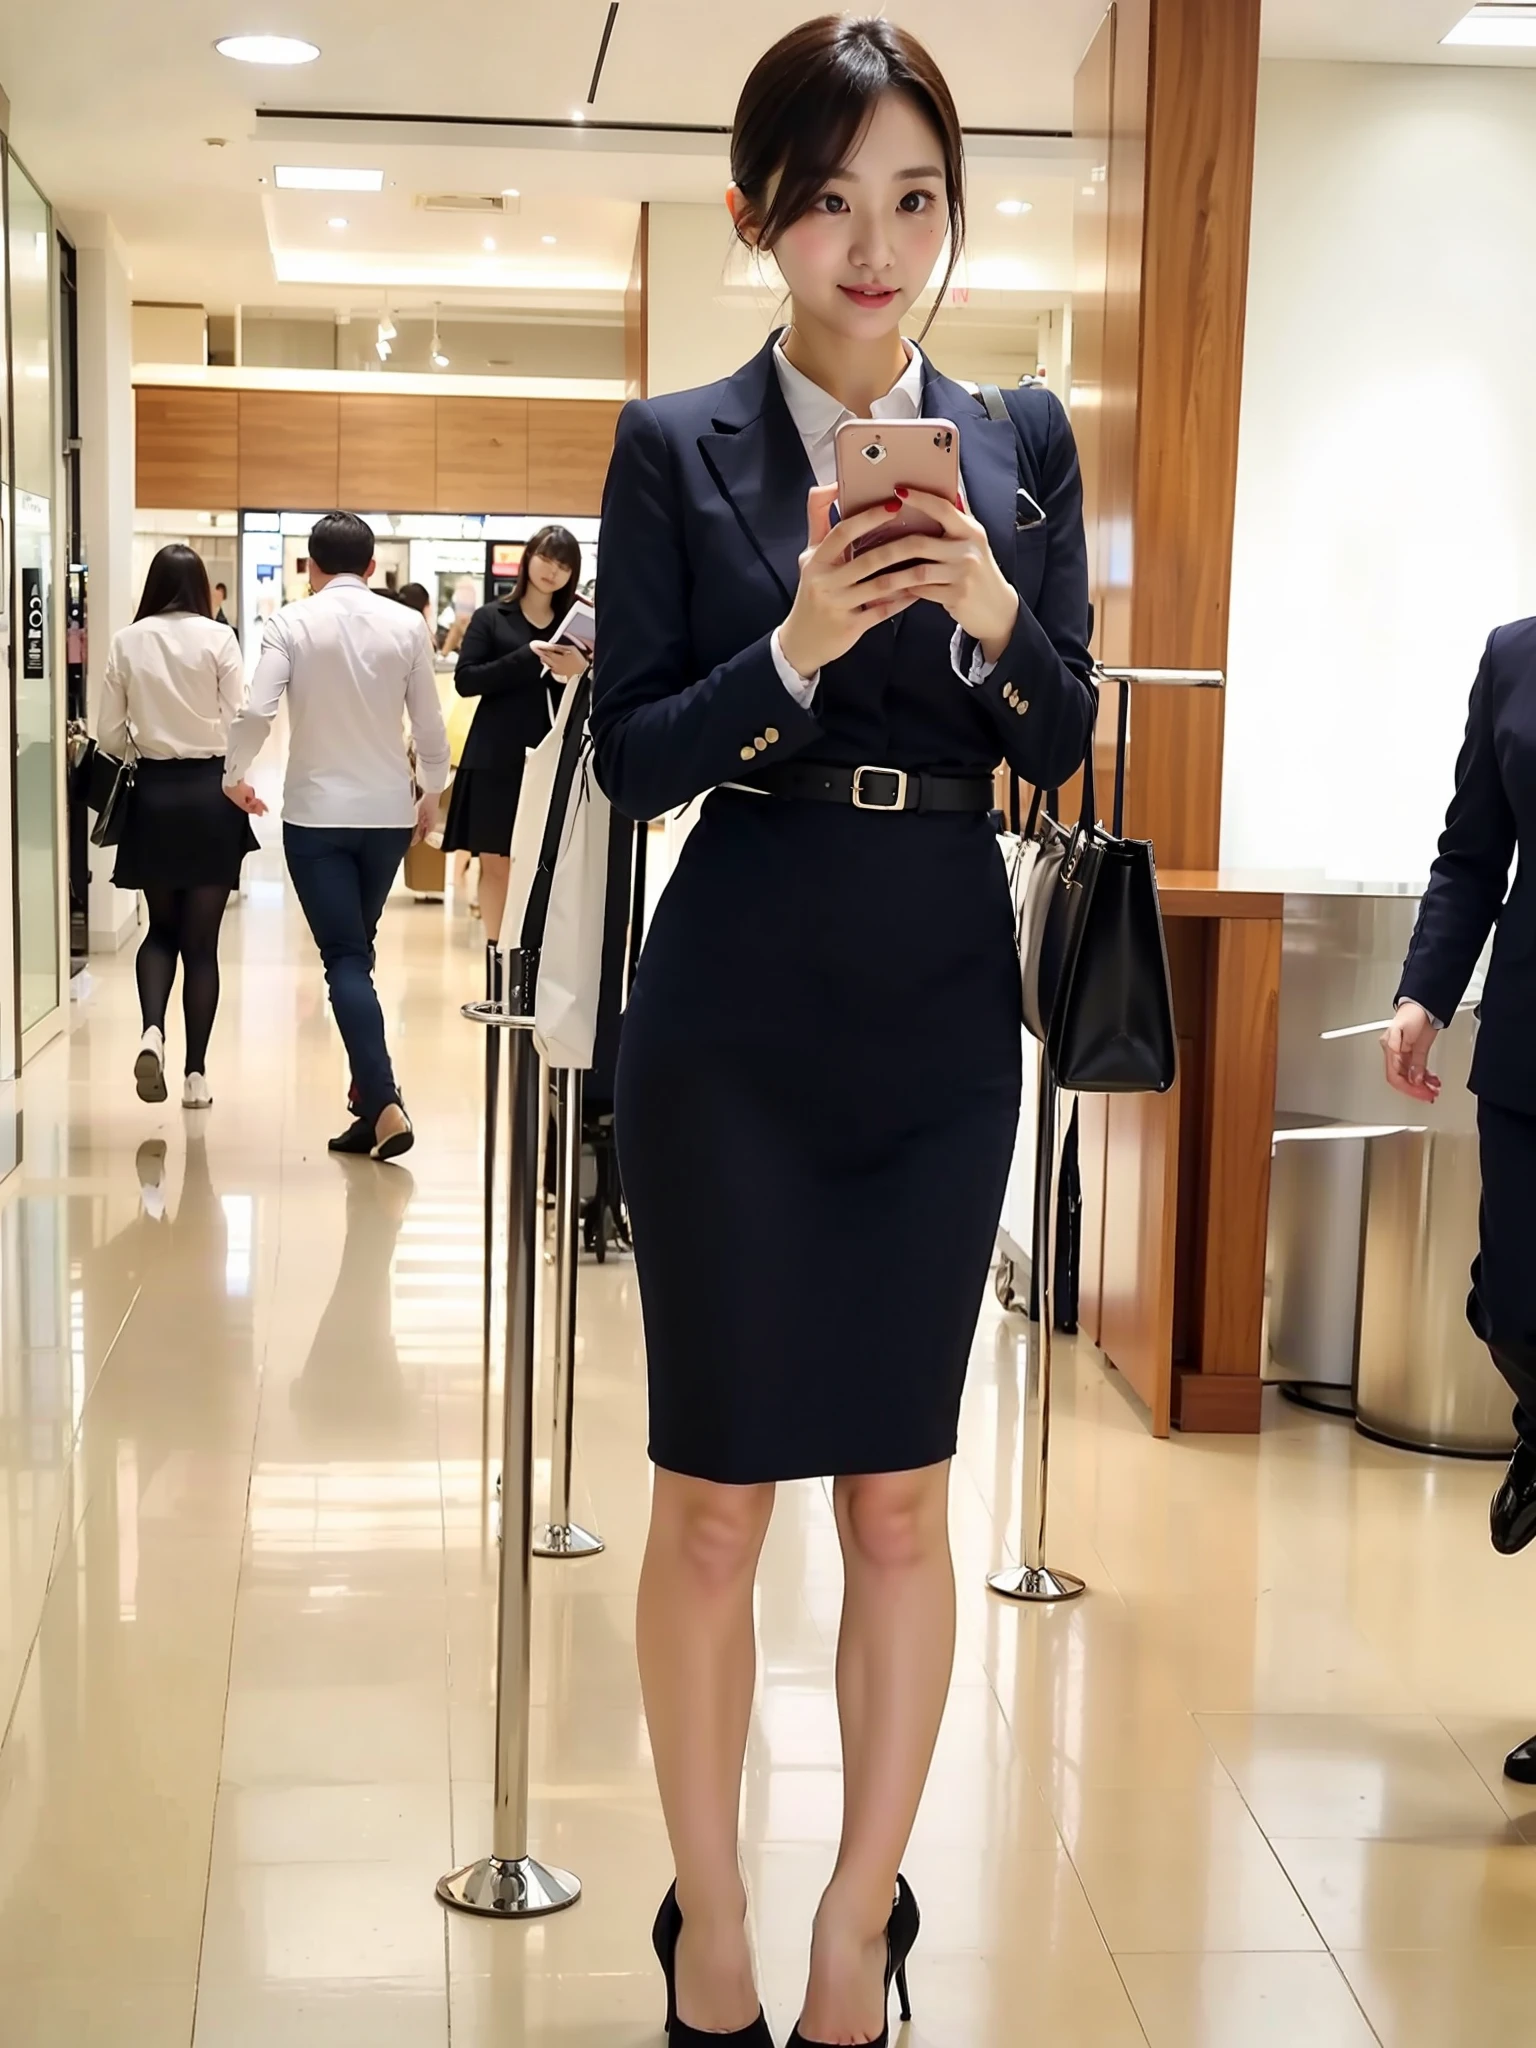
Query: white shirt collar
x=818 y=415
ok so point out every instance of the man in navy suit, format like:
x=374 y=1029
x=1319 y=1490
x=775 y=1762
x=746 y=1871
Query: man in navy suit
x=1491 y=818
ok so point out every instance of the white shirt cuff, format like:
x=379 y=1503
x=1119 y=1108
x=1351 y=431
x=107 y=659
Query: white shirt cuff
x=801 y=688
x=980 y=667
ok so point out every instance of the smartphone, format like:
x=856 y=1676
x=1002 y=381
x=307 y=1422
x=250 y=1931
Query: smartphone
x=874 y=456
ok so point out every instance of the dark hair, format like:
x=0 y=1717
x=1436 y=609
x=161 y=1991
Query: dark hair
x=177 y=582
x=222 y=589
x=341 y=544
x=806 y=106
x=556 y=544
x=416 y=595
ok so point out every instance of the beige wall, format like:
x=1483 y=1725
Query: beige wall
x=704 y=316
x=170 y=334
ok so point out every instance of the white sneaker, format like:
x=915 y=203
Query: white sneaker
x=149 y=1067
x=195 y=1093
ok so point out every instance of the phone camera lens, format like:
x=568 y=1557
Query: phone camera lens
x=874 y=452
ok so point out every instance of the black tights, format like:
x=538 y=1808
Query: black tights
x=183 y=924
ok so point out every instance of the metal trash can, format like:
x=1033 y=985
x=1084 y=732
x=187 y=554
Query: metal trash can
x=1316 y=1203
x=1424 y=1381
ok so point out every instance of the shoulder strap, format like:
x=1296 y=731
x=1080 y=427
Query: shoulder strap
x=996 y=404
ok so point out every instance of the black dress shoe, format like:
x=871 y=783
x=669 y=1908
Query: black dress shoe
x=357 y=1139
x=1520 y=1764
x=1512 y=1516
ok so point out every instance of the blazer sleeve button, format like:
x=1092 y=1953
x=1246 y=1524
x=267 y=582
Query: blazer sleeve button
x=760 y=745
x=771 y=735
x=749 y=753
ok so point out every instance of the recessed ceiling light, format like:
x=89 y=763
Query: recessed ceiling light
x=1015 y=206
x=337 y=220
x=489 y=243
x=510 y=192
x=326 y=178
x=548 y=241
x=268 y=49
x=580 y=114
x=1496 y=27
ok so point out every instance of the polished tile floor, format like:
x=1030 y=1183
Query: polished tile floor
x=1245 y=1794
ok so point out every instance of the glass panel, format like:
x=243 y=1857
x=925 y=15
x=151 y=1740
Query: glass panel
x=34 y=650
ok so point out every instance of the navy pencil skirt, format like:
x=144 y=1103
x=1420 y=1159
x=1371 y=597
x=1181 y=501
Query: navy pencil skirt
x=817 y=1095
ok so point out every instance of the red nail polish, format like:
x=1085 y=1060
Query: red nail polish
x=959 y=504
x=894 y=504
x=901 y=490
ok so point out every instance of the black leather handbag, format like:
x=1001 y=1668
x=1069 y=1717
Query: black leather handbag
x=1103 y=999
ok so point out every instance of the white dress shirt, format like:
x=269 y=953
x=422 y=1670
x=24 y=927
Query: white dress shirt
x=173 y=688
x=354 y=664
x=817 y=416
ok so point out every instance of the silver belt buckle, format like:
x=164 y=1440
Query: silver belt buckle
x=864 y=803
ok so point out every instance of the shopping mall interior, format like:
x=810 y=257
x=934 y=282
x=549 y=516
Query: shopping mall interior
x=269 y=1461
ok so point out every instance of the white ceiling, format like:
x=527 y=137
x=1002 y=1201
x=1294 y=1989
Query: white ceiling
x=114 y=108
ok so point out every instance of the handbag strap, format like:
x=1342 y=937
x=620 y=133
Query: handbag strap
x=1122 y=735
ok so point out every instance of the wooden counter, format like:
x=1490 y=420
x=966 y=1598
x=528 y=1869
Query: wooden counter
x=1176 y=1187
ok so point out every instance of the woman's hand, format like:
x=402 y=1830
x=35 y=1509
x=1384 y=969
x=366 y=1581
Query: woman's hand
x=1409 y=1040
x=244 y=798
x=560 y=657
x=834 y=607
x=957 y=570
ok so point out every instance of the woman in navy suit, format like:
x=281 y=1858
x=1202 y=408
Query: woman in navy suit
x=819 y=1078
x=1491 y=818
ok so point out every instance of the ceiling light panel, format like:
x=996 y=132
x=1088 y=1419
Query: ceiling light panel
x=321 y=178
x=267 y=49
x=1495 y=26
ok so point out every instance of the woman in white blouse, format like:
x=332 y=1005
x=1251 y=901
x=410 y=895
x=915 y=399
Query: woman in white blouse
x=173 y=687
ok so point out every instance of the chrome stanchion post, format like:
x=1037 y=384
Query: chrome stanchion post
x=1033 y=1579
x=492 y=1120
x=509 y=1884
x=560 y=1536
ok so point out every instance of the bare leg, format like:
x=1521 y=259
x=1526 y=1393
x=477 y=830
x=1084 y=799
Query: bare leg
x=698 y=1669
x=894 y=1657
x=495 y=871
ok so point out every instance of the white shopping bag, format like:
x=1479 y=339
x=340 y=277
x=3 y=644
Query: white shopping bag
x=557 y=886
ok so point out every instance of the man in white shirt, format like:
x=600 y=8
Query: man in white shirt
x=353 y=668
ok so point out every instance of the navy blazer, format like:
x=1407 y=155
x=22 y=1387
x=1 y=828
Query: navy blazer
x=1492 y=814
x=704 y=522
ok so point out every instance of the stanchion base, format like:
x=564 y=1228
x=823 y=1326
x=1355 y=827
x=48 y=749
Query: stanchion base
x=1025 y=1583
x=522 y=1890
x=565 y=1539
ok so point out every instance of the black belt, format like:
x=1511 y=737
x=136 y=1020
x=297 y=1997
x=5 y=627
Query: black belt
x=874 y=789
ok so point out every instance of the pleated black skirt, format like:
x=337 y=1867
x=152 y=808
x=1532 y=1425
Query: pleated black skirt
x=182 y=831
x=817 y=1096
x=481 y=808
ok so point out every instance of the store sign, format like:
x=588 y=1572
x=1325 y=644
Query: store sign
x=33 y=625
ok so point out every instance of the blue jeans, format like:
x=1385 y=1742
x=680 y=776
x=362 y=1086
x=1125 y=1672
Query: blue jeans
x=342 y=876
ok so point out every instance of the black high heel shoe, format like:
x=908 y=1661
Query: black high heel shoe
x=901 y=1933
x=664 y=1936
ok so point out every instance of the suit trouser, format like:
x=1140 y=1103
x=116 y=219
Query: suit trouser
x=342 y=877
x=1502 y=1304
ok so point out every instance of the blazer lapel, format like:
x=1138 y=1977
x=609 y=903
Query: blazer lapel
x=759 y=461
x=989 y=462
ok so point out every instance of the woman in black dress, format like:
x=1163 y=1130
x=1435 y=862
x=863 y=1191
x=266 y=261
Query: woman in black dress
x=173 y=686
x=506 y=661
x=820 y=1068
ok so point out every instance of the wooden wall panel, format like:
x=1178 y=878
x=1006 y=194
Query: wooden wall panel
x=1204 y=99
x=1140 y=1179
x=387 y=453
x=289 y=446
x=187 y=449
x=1243 y=1039
x=569 y=443
x=482 y=455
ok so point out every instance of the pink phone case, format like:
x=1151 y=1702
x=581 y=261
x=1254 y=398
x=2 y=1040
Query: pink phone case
x=874 y=456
